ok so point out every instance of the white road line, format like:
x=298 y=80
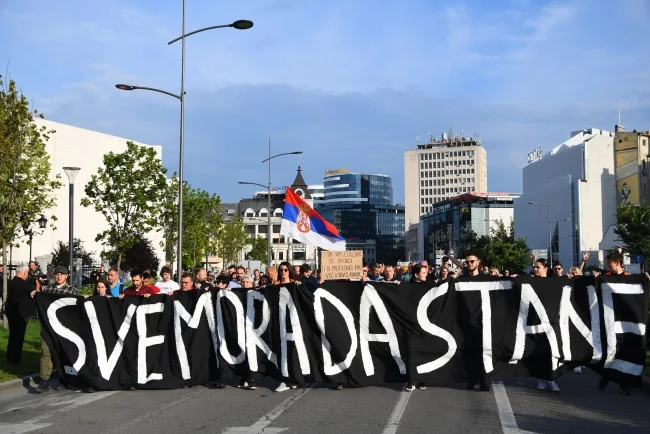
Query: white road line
x=70 y=402
x=398 y=411
x=506 y=415
x=268 y=418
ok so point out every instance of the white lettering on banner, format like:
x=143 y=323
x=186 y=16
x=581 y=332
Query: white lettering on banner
x=429 y=327
x=65 y=332
x=254 y=335
x=370 y=299
x=528 y=297
x=612 y=327
x=204 y=303
x=329 y=368
x=144 y=342
x=486 y=310
x=241 y=328
x=286 y=302
x=107 y=364
x=568 y=314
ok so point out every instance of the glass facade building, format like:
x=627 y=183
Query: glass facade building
x=452 y=221
x=361 y=208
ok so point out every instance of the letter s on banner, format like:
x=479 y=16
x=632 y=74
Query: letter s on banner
x=612 y=327
x=144 y=342
x=433 y=329
x=329 y=368
x=370 y=299
x=65 y=332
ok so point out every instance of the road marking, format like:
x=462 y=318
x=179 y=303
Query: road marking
x=20 y=428
x=268 y=418
x=398 y=411
x=506 y=415
x=159 y=409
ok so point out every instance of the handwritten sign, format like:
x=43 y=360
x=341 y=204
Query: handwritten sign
x=346 y=264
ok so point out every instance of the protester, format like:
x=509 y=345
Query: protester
x=138 y=288
x=115 y=286
x=101 y=288
x=60 y=287
x=19 y=309
x=148 y=281
x=272 y=272
x=167 y=284
x=308 y=279
x=200 y=280
x=285 y=271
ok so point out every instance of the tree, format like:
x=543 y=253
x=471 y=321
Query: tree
x=201 y=223
x=128 y=191
x=231 y=240
x=140 y=256
x=259 y=249
x=60 y=254
x=26 y=187
x=500 y=249
x=633 y=228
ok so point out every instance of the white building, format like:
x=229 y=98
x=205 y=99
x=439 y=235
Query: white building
x=75 y=147
x=442 y=169
x=576 y=181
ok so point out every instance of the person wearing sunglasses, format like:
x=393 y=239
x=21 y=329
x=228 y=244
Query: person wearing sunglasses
x=285 y=274
x=557 y=270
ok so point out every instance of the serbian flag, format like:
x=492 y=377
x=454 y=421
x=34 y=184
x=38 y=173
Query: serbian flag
x=302 y=223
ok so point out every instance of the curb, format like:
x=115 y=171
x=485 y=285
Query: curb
x=22 y=382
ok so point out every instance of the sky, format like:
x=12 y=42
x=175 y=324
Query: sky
x=352 y=84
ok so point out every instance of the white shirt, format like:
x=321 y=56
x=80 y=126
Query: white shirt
x=168 y=286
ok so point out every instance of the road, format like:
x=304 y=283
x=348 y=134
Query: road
x=514 y=406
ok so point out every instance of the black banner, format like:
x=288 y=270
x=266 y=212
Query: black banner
x=353 y=333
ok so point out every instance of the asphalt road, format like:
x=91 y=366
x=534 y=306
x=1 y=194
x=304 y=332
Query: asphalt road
x=515 y=406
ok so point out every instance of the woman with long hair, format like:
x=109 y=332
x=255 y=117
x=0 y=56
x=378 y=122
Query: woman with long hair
x=285 y=274
x=418 y=273
x=101 y=288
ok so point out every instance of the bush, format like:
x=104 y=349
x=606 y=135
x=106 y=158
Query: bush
x=87 y=289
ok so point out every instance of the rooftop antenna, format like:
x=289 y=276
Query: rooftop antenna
x=451 y=136
x=619 y=118
x=417 y=139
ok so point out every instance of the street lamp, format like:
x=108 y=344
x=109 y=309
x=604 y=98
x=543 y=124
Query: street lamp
x=42 y=223
x=550 y=235
x=268 y=186
x=239 y=25
x=72 y=173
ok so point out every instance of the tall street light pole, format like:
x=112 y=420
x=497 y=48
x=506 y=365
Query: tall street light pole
x=550 y=234
x=239 y=25
x=72 y=173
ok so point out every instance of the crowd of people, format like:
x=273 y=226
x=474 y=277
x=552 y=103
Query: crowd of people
x=28 y=280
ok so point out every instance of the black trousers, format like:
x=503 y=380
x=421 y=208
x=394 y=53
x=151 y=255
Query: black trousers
x=17 y=329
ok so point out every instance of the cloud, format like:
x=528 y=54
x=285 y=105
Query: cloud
x=349 y=83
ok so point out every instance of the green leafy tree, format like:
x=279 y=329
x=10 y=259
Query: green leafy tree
x=201 y=223
x=60 y=253
x=633 y=228
x=259 y=249
x=128 y=191
x=231 y=240
x=140 y=256
x=26 y=187
x=500 y=249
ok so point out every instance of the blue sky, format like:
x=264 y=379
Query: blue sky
x=350 y=83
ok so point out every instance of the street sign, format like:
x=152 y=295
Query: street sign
x=638 y=258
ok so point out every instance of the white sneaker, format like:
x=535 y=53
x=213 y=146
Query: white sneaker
x=281 y=387
x=554 y=386
x=577 y=370
x=541 y=384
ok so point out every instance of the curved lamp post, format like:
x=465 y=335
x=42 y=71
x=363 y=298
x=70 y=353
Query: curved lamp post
x=239 y=25
x=268 y=186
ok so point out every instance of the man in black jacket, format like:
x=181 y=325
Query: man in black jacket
x=20 y=307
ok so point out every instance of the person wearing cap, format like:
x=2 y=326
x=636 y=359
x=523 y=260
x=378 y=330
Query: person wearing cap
x=60 y=286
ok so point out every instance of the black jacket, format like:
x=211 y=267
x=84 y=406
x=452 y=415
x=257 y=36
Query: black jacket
x=19 y=300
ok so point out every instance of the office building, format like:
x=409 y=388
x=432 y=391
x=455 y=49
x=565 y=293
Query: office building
x=631 y=166
x=442 y=169
x=361 y=207
x=569 y=197
x=447 y=227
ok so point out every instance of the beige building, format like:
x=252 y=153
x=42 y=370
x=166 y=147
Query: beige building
x=631 y=166
x=439 y=170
